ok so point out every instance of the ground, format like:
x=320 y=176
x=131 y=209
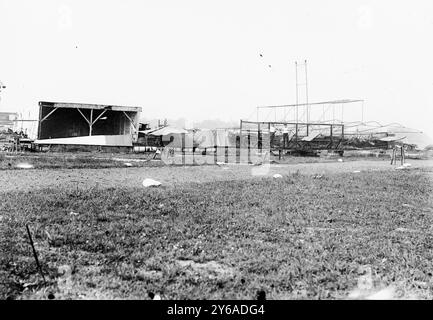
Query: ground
x=325 y=230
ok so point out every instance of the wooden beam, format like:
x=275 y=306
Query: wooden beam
x=97 y=118
x=83 y=116
x=45 y=118
x=40 y=122
x=90 y=106
x=91 y=122
x=132 y=121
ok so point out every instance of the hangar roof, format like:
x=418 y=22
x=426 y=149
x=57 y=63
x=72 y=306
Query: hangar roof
x=88 y=106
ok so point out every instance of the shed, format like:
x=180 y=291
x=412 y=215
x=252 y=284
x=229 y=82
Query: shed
x=63 y=123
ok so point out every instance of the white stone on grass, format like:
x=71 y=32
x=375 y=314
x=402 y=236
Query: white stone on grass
x=151 y=183
x=24 y=165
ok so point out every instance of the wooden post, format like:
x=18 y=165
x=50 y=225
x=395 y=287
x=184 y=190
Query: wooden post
x=35 y=254
x=183 y=148
x=238 y=148
x=402 y=155
x=91 y=122
x=193 y=149
x=40 y=122
x=259 y=138
x=215 y=157
x=249 y=146
x=393 y=155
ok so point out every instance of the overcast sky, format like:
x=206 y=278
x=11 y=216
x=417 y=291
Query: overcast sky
x=201 y=59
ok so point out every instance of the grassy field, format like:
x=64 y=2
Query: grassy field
x=95 y=160
x=328 y=236
x=17 y=161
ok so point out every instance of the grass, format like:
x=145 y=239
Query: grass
x=11 y=161
x=94 y=160
x=300 y=237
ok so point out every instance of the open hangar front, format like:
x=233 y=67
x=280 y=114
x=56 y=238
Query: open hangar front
x=69 y=126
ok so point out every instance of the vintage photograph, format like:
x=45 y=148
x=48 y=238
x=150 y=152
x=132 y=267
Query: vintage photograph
x=216 y=150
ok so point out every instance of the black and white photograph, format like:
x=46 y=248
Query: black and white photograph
x=242 y=151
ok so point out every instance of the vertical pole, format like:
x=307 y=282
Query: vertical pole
x=297 y=98
x=402 y=155
x=183 y=148
x=215 y=157
x=392 y=156
x=40 y=122
x=238 y=145
x=238 y=148
x=91 y=122
x=362 y=112
x=269 y=134
x=306 y=92
x=193 y=149
x=259 y=136
x=249 y=146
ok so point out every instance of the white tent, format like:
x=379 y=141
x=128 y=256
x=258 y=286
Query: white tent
x=207 y=138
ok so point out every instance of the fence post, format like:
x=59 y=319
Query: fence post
x=183 y=148
x=238 y=148
x=402 y=155
x=259 y=139
x=215 y=157
x=249 y=146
